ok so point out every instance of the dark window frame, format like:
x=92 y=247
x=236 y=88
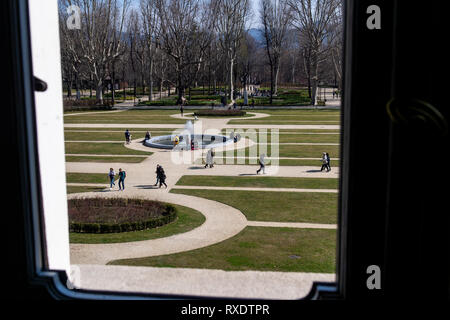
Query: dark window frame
x=364 y=237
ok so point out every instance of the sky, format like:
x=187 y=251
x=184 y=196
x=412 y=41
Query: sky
x=254 y=7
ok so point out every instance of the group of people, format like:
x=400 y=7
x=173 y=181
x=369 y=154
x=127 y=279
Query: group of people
x=326 y=162
x=160 y=178
x=121 y=177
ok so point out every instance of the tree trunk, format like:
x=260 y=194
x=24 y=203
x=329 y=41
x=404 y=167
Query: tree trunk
x=272 y=80
x=231 y=81
x=180 y=89
x=69 y=89
x=90 y=86
x=315 y=82
x=77 y=88
x=123 y=83
x=277 y=72
x=99 y=92
x=150 y=83
x=113 y=83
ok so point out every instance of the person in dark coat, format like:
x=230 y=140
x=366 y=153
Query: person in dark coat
x=127 y=136
x=162 y=177
x=325 y=162
x=157 y=174
x=122 y=176
x=328 y=162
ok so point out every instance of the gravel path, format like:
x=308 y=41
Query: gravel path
x=199 y=282
x=222 y=222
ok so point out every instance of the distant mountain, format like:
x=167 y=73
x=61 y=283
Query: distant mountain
x=257 y=34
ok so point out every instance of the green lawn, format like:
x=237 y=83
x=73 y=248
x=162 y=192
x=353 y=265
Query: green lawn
x=287 y=138
x=281 y=162
x=130 y=116
x=121 y=130
x=101 y=148
x=288 y=151
x=242 y=131
x=104 y=159
x=275 y=206
x=294 y=117
x=79 y=189
x=257 y=248
x=290 y=121
x=187 y=220
x=307 y=138
x=108 y=136
x=259 y=182
x=100 y=136
x=75 y=177
x=296 y=112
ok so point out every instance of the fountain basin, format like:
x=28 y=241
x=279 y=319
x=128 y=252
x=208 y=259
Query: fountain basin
x=202 y=141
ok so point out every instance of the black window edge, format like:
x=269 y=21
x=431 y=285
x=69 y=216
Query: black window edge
x=54 y=281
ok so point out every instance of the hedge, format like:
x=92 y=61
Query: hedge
x=220 y=113
x=169 y=215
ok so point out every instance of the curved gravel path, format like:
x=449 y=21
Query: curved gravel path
x=222 y=222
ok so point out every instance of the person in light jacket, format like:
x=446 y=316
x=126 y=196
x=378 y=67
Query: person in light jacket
x=210 y=158
x=111 y=176
x=262 y=165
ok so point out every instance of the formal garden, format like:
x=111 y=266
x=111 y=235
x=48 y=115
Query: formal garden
x=287 y=220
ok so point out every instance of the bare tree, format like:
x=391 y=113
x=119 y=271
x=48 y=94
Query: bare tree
x=71 y=55
x=337 y=44
x=275 y=18
x=184 y=34
x=232 y=16
x=313 y=19
x=149 y=24
x=133 y=33
x=99 y=38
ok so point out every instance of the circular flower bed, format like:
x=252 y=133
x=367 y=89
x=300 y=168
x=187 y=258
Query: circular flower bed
x=102 y=215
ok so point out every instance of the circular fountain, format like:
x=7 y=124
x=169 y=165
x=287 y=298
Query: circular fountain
x=184 y=139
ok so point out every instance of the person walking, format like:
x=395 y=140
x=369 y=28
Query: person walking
x=328 y=162
x=210 y=158
x=111 y=176
x=127 y=136
x=122 y=176
x=157 y=174
x=162 y=177
x=324 y=162
x=262 y=165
